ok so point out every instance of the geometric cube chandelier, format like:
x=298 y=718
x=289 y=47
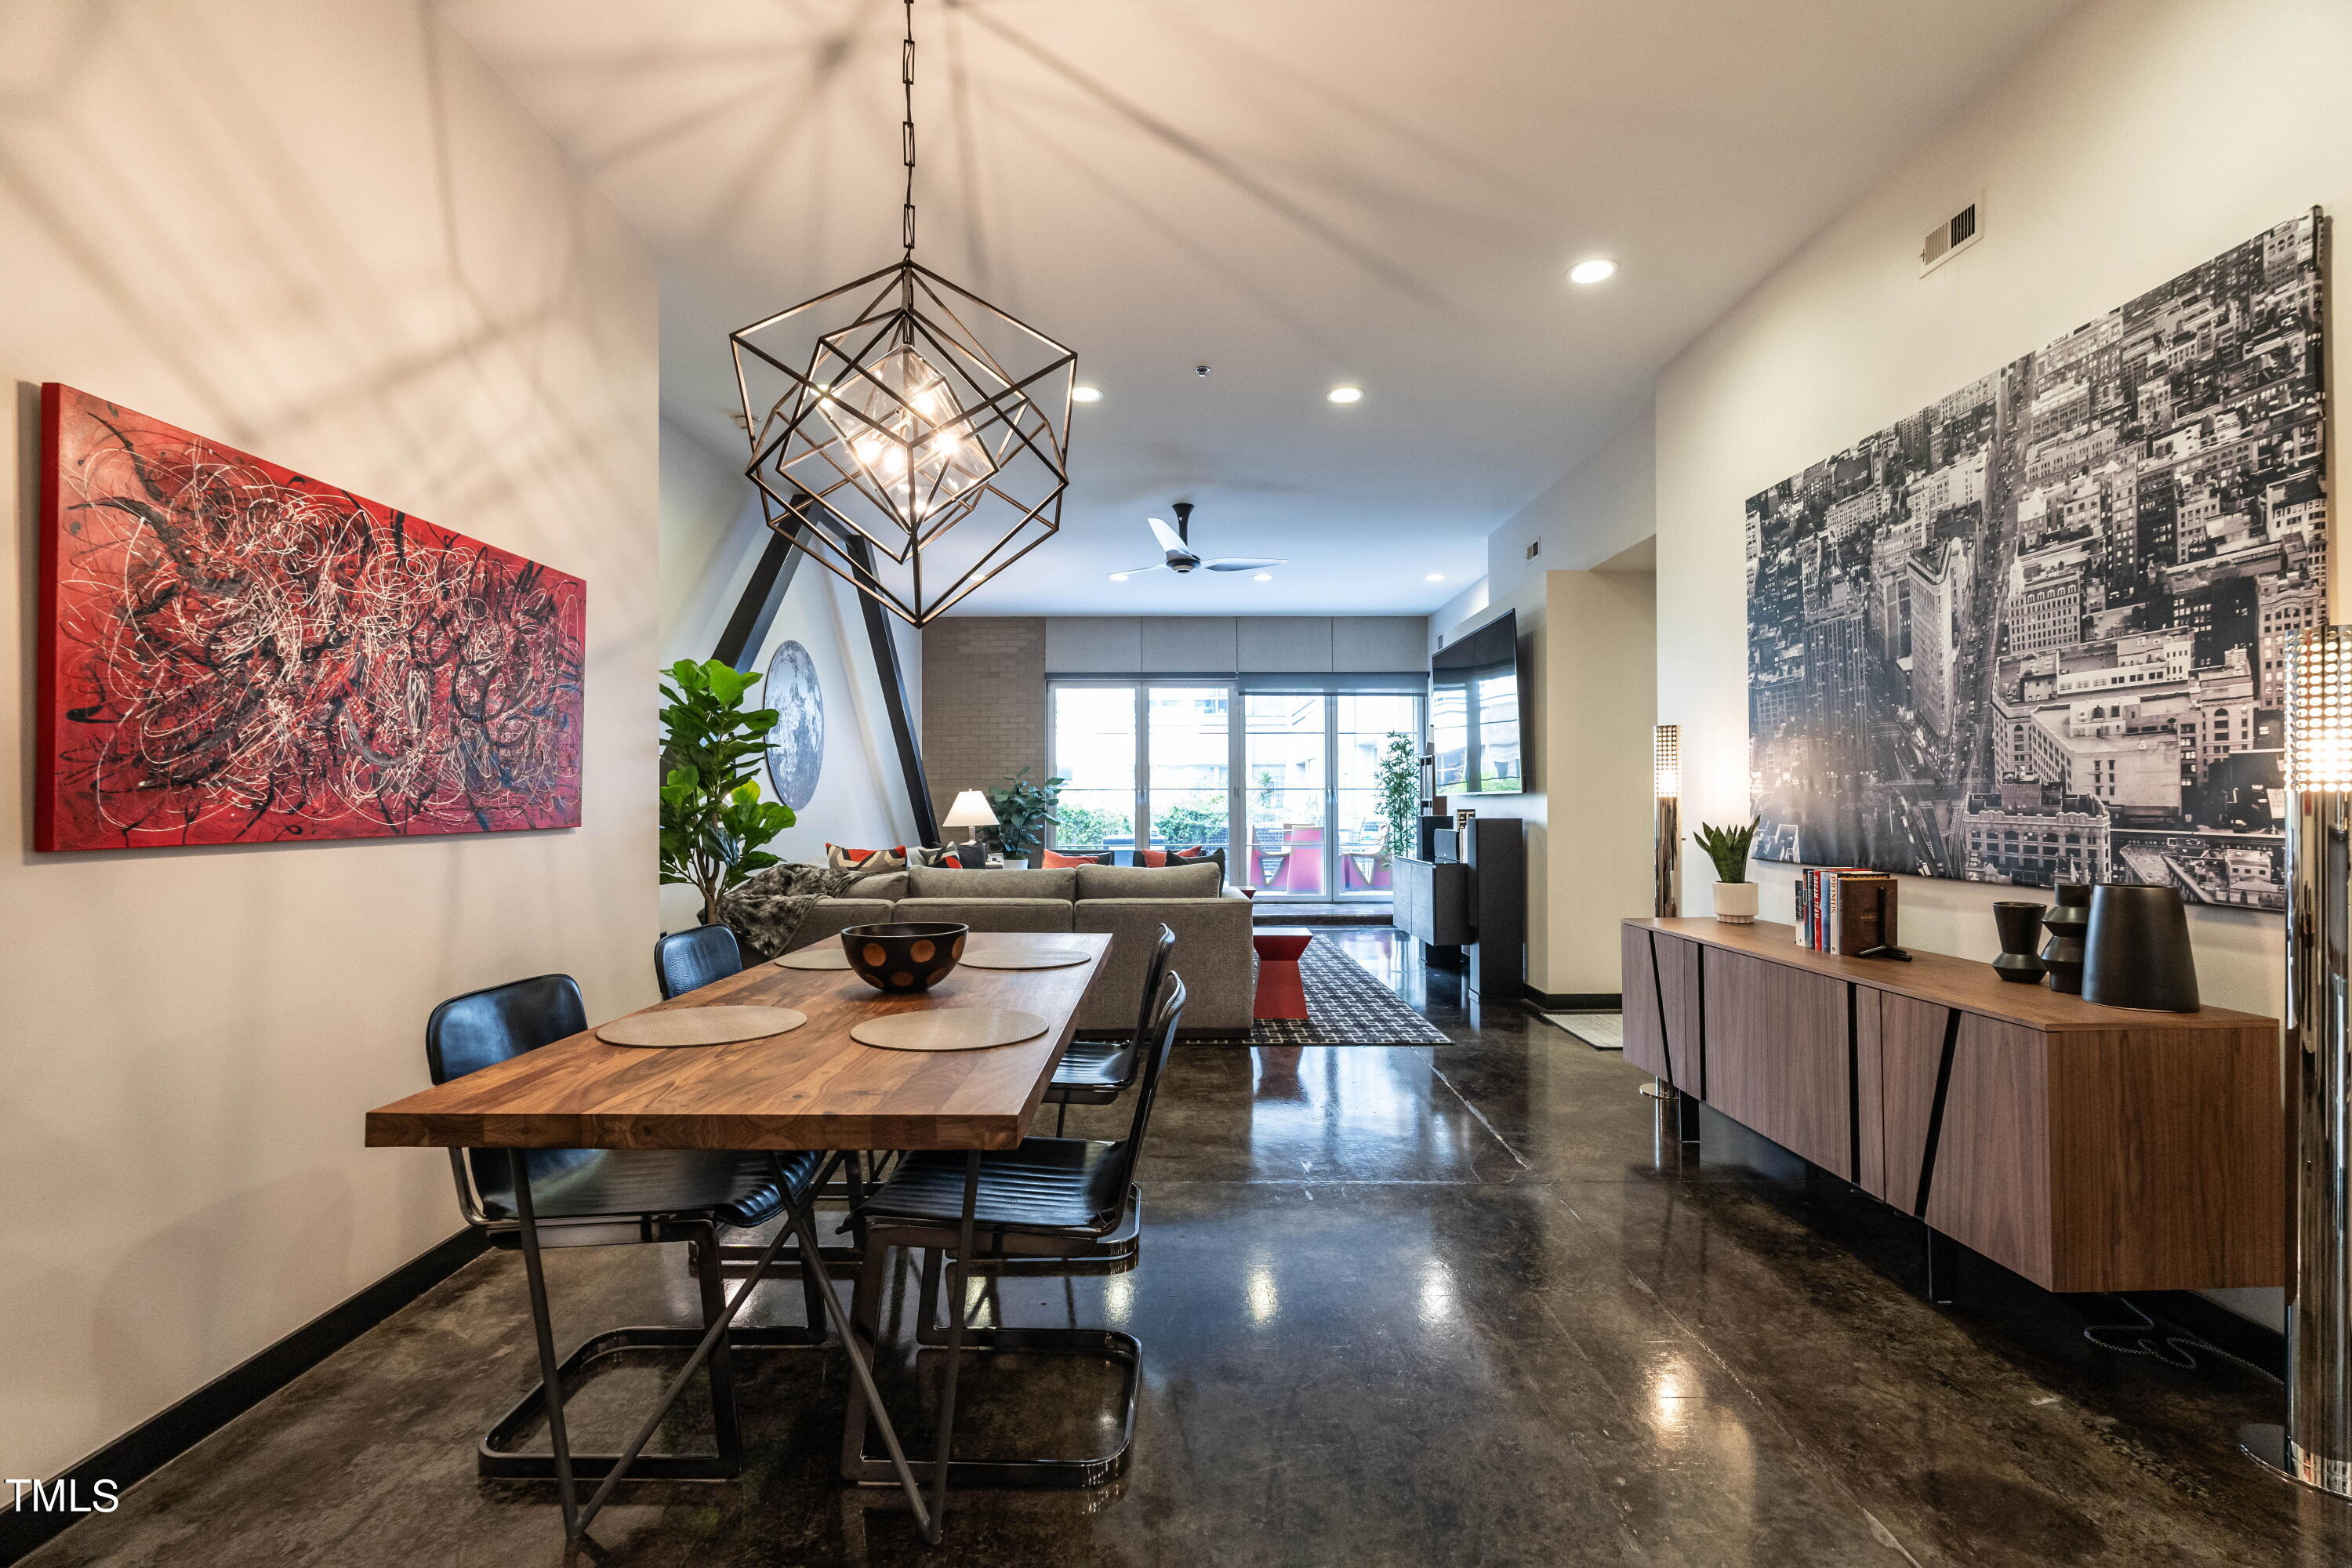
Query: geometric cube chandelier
x=930 y=428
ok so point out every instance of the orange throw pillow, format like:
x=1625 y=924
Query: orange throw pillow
x=1054 y=859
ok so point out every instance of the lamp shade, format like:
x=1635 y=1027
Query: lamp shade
x=1667 y=761
x=970 y=810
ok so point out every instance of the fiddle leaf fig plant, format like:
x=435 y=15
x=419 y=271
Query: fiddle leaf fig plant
x=714 y=823
x=1728 y=848
x=1023 y=811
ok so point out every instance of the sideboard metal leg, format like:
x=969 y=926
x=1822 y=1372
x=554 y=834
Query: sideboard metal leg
x=1943 y=1268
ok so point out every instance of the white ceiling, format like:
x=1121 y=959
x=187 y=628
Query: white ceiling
x=1297 y=193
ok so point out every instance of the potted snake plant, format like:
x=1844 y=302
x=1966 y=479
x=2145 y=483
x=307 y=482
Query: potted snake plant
x=1735 y=895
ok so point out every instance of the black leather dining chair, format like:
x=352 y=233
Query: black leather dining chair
x=1072 y=1199
x=599 y=1197
x=1096 y=1072
x=689 y=960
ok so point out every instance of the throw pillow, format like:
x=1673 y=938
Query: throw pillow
x=1054 y=858
x=943 y=858
x=1200 y=854
x=866 y=860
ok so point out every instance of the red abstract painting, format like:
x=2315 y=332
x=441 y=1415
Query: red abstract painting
x=232 y=652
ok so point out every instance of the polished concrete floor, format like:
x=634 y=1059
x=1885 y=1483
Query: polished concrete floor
x=1399 y=1306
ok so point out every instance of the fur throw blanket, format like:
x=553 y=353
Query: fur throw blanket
x=765 y=908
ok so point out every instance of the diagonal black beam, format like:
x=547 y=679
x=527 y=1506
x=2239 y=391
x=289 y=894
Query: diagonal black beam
x=772 y=578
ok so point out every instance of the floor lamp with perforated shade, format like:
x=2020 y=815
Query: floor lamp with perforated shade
x=2314 y=1446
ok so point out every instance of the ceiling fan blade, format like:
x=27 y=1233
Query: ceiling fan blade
x=1243 y=564
x=1170 y=540
x=1155 y=566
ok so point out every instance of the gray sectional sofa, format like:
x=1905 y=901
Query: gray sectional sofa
x=1130 y=903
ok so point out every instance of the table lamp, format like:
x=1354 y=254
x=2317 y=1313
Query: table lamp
x=970 y=811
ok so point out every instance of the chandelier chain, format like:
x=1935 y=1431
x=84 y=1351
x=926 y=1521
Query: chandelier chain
x=907 y=141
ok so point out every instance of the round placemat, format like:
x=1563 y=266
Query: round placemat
x=822 y=956
x=949 y=1029
x=978 y=957
x=700 y=1025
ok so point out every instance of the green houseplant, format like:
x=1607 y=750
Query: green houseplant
x=1023 y=811
x=1735 y=895
x=713 y=822
x=1399 y=778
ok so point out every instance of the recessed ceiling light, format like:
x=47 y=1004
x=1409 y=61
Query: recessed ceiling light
x=1435 y=577
x=1263 y=577
x=1118 y=577
x=1346 y=395
x=1596 y=271
x=1085 y=395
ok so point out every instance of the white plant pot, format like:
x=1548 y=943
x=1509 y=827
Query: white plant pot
x=1016 y=862
x=1735 y=903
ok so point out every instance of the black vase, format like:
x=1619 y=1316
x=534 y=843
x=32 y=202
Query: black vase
x=2137 y=952
x=2066 y=922
x=2020 y=926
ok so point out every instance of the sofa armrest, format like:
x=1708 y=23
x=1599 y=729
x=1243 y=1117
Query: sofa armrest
x=1212 y=953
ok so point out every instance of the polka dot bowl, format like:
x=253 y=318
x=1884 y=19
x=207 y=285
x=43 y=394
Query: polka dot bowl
x=906 y=956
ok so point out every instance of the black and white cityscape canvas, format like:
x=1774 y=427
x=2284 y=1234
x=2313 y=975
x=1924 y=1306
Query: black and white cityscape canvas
x=2035 y=633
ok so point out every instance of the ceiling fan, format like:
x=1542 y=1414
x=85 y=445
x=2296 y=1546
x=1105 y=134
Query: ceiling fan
x=1178 y=542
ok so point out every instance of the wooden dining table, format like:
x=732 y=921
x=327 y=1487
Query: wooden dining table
x=813 y=1088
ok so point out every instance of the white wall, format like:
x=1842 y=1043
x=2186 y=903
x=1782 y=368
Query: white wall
x=323 y=234
x=1586 y=650
x=2147 y=136
x=712 y=537
x=2144 y=137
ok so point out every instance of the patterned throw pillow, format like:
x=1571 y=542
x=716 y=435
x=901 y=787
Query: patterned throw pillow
x=1054 y=858
x=866 y=860
x=950 y=856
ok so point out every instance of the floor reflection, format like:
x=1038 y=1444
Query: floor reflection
x=1398 y=1305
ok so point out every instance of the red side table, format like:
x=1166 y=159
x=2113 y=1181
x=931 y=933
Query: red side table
x=1281 y=994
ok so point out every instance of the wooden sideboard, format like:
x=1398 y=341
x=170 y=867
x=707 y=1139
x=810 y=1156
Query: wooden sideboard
x=2087 y=1148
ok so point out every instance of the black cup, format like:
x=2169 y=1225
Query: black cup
x=2019 y=925
x=905 y=956
x=2136 y=954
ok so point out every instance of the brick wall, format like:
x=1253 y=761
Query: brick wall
x=984 y=703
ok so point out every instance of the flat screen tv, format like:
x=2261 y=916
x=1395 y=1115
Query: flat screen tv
x=1473 y=712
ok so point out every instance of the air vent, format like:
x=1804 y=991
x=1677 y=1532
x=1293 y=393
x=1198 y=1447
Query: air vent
x=1535 y=547
x=1951 y=237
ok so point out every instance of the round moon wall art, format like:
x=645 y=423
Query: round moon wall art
x=796 y=751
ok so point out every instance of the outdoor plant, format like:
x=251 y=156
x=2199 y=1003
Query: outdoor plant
x=713 y=822
x=1728 y=848
x=1024 y=810
x=1399 y=786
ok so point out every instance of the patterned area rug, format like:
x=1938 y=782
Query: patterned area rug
x=1346 y=1005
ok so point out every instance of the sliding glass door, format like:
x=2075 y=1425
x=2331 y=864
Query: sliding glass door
x=1188 y=758
x=1287 y=782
